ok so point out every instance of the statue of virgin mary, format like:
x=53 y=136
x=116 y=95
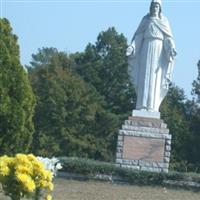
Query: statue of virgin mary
x=151 y=59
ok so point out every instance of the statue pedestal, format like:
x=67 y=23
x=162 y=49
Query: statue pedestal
x=144 y=143
x=146 y=114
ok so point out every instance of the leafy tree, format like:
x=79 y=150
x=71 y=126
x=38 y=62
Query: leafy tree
x=193 y=118
x=16 y=98
x=196 y=84
x=69 y=117
x=193 y=147
x=173 y=112
x=46 y=56
x=104 y=65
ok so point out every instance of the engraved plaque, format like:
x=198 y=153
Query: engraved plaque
x=140 y=148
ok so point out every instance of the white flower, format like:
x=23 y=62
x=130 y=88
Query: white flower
x=51 y=164
x=58 y=166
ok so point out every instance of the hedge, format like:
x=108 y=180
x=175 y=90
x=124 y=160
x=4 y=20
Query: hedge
x=91 y=168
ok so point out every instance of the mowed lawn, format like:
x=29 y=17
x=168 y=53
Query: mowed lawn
x=93 y=190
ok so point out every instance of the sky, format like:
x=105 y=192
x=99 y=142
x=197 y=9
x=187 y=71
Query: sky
x=69 y=25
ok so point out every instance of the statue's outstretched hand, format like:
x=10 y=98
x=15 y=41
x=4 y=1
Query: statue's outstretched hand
x=173 y=53
x=130 y=50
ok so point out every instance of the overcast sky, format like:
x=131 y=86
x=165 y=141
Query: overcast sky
x=71 y=25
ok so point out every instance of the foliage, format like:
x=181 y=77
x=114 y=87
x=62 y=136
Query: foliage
x=104 y=65
x=173 y=112
x=16 y=97
x=193 y=119
x=24 y=176
x=196 y=84
x=183 y=119
x=83 y=98
x=69 y=117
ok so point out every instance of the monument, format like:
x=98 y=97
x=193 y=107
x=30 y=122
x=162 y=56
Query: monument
x=144 y=142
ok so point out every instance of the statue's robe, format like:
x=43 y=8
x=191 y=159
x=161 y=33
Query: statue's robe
x=151 y=67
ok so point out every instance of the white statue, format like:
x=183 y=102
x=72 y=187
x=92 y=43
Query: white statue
x=151 y=58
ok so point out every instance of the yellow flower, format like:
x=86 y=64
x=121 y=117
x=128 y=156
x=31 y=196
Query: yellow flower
x=26 y=181
x=23 y=160
x=29 y=173
x=49 y=197
x=32 y=158
x=45 y=174
x=6 y=159
x=30 y=186
x=43 y=183
x=48 y=175
x=5 y=163
x=38 y=166
x=23 y=169
x=22 y=177
x=4 y=171
x=50 y=186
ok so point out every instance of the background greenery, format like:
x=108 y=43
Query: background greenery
x=77 y=102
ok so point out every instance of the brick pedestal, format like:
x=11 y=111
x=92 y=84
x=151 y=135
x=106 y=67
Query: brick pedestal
x=144 y=144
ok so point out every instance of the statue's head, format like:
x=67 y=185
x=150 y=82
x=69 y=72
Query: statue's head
x=155 y=7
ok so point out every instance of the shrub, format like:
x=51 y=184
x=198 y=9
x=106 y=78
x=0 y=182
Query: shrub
x=91 y=168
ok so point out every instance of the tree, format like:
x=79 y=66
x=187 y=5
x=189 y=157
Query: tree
x=70 y=119
x=193 y=118
x=183 y=119
x=173 y=112
x=104 y=65
x=196 y=84
x=193 y=147
x=16 y=97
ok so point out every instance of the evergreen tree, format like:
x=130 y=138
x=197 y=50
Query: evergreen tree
x=193 y=118
x=104 y=65
x=16 y=98
x=193 y=147
x=173 y=112
x=196 y=84
x=70 y=119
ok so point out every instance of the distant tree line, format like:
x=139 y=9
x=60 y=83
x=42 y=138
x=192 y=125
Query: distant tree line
x=74 y=104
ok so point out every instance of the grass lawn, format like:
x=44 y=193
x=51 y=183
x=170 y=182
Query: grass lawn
x=92 y=190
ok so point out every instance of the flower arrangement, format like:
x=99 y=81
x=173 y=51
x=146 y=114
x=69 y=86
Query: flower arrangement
x=25 y=176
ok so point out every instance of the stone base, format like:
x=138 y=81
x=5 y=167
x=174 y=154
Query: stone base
x=144 y=143
x=147 y=114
